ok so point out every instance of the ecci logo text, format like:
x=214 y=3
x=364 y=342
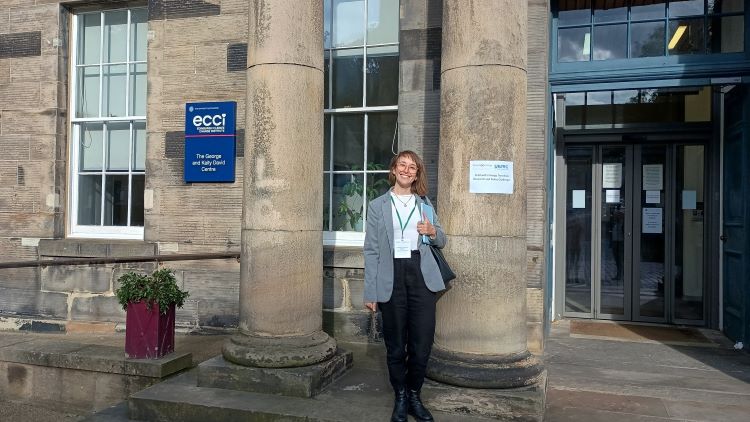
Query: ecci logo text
x=208 y=120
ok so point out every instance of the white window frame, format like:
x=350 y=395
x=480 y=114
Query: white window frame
x=351 y=238
x=74 y=125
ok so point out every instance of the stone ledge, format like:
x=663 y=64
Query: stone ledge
x=343 y=257
x=94 y=248
x=306 y=381
x=93 y=358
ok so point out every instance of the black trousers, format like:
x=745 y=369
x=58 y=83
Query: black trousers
x=408 y=324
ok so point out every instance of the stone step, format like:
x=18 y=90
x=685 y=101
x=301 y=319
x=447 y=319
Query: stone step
x=360 y=395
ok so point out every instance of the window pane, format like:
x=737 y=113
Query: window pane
x=610 y=11
x=139 y=148
x=89 y=38
x=327 y=142
x=381 y=131
x=599 y=108
x=686 y=8
x=137 y=95
x=138 y=34
x=648 y=11
x=347 y=202
x=347 y=78
x=725 y=6
x=115 y=36
x=686 y=37
x=114 y=91
x=623 y=106
x=327 y=22
x=348 y=142
x=136 y=207
x=574 y=12
x=377 y=184
x=382 y=21
x=91 y=144
x=90 y=200
x=726 y=35
x=348 y=23
x=118 y=146
x=647 y=39
x=382 y=76
x=610 y=42
x=87 y=101
x=573 y=45
x=574 y=109
x=326 y=201
x=326 y=79
x=116 y=201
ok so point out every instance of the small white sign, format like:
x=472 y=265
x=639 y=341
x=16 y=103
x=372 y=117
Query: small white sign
x=491 y=177
x=579 y=199
x=613 y=196
x=688 y=200
x=653 y=197
x=612 y=176
x=651 y=221
x=653 y=177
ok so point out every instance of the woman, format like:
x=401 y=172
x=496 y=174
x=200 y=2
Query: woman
x=402 y=277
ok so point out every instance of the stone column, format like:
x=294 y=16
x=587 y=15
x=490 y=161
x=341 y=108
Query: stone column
x=480 y=338
x=282 y=254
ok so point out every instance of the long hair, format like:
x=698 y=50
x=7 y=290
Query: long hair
x=419 y=186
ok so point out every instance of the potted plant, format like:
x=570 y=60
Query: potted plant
x=149 y=302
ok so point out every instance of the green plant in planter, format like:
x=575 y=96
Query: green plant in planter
x=160 y=287
x=355 y=188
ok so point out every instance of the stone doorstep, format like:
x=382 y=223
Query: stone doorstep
x=91 y=358
x=362 y=393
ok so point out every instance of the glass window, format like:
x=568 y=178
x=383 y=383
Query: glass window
x=109 y=125
x=609 y=30
x=610 y=42
x=361 y=107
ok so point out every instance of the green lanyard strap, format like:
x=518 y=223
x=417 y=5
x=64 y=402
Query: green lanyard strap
x=403 y=225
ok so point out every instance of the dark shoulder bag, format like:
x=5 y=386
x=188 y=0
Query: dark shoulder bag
x=445 y=270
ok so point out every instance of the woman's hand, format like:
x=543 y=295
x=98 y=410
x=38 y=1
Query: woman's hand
x=372 y=306
x=426 y=228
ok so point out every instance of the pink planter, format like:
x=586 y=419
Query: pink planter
x=148 y=334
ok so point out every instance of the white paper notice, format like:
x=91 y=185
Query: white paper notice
x=653 y=196
x=491 y=177
x=688 y=200
x=651 y=220
x=579 y=199
x=613 y=196
x=653 y=177
x=612 y=176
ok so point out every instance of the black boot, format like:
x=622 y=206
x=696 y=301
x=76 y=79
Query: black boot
x=400 y=405
x=417 y=409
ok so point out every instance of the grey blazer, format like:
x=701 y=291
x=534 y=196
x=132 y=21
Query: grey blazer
x=378 y=252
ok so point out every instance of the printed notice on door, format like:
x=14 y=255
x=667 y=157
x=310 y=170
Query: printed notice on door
x=491 y=177
x=612 y=176
x=651 y=220
x=653 y=177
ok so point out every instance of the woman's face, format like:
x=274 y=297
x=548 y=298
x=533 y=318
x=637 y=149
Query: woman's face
x=405 y=172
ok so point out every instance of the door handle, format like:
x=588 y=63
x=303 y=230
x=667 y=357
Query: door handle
x=723 y=238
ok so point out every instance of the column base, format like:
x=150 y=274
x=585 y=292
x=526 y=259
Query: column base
x=279 y=352
x=484 y=371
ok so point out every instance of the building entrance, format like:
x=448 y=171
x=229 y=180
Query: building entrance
x=634 y=231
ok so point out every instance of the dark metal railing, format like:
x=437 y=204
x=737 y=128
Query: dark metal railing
x=119 y=260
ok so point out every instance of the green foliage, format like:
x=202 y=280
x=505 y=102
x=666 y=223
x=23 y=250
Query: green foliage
x=160 y=287
x=354 y=188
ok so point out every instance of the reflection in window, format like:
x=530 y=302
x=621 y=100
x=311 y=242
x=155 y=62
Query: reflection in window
x=607 y=109
x=611 y=30
x=361 y=71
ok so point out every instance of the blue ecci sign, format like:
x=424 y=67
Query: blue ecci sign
x=210 y=140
